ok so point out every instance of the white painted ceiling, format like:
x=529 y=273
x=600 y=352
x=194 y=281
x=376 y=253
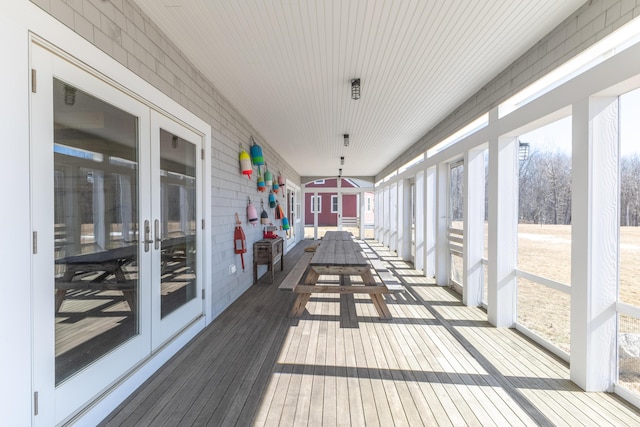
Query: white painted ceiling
x=286 y=65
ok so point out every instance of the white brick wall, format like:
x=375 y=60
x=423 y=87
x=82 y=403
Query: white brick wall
x=593 y=21
x=120 y=29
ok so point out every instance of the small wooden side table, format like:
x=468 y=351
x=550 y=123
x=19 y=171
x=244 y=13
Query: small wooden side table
x=269 y=252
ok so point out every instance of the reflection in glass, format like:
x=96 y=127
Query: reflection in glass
x=178 y=222
x=96 y=237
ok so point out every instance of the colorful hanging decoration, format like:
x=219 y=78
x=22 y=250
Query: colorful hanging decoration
x=275 y=186
x=285 y=223
x=245 y=164
x=252 y=214
x=268 y=177
x=261 y=184
x=264 y=216
x=281 y=180
x=256 y=154
x=272 y=200
x=279 y=212
x=239 y=240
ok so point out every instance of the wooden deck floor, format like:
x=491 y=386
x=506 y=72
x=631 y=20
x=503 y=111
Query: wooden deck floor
x=437 y=363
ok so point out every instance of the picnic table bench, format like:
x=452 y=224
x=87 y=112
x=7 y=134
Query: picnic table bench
x=338 y=254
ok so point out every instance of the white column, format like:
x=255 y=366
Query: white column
x=503 y=231
x=377 y=214
x=473 y=227
x=126 y=207
x=393 y=217
x=386 y=215
x=400 y=224
x=442 y=256
x=99 y=223
x=420 y=201
x=339 y=194
x=594 y=243
x=315 y=205
x=406 y=213
x=430 y=220
x=362 y=206
x=404 y=220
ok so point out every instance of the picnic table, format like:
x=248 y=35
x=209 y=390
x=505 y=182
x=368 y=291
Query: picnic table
x=338 y=254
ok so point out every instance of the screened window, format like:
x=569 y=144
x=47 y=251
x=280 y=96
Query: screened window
x=334 y=204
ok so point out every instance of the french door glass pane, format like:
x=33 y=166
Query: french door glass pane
x=95 y=186
x=178 y=222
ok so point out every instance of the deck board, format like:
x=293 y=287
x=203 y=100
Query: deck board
x=436 y=363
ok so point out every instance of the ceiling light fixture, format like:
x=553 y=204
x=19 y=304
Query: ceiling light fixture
x=69 y=95
x=342 y=160
x=355 y=89
x=346 y=139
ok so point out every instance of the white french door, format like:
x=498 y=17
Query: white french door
x=176 y=206
x=116 y=199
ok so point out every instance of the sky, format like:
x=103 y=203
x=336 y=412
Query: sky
x=557 y=135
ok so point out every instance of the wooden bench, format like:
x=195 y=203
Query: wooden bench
x=388 y=279
x=293 y=278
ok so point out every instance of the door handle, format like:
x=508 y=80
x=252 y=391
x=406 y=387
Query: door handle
x=147 y=236
x=158 y=239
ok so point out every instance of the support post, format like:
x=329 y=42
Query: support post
x=473 y=249
x=420 y=209
x=594 y=243
x=430 y=221
x=503 y=229
x=442 y=256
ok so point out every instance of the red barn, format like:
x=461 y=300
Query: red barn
x=327 y=202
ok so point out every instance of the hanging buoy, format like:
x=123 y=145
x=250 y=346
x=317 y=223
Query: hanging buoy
x=285 y=223
x=239 y=244
x=279 y=212
x=275 y=186
x=264 y=216
x=281 y=180
x=261 y=185
x=268 y=177
x=272 y=200
x=252 y=214
x=256 y=154
x=245 y=164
